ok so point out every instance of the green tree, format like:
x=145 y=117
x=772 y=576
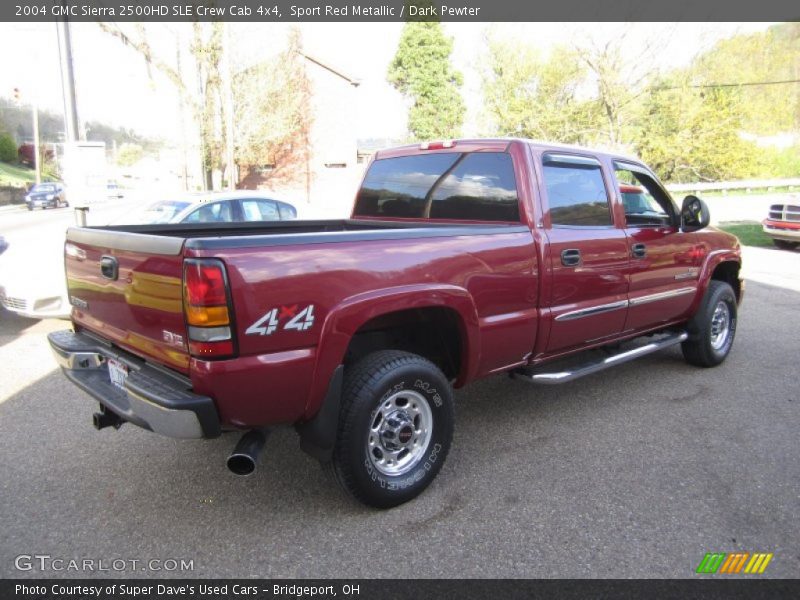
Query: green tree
x=8 y=148
x=129 y=154
x=767 y=56
x=691 y=134
x=272 y=106
x=529 y=96
x=203 y=72
x=422 y=72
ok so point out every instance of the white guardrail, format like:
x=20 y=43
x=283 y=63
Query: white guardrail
x=744 y=184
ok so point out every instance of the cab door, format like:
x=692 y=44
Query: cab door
x=589 y=256
x=665 y=264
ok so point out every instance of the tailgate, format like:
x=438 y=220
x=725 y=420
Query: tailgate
x=127 y=287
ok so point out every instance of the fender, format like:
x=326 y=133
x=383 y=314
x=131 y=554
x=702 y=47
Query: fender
x=713 y=259
x=345 y=319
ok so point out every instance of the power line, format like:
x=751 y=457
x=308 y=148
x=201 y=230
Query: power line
x=725 y=85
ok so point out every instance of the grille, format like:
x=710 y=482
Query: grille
x=788 y=212
x=15 y=303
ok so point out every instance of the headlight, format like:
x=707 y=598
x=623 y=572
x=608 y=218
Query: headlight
x=50 y=196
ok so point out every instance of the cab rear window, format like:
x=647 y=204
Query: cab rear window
x=478 y=186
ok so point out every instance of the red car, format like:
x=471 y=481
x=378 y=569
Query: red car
x=26 y=154
x=462 y=259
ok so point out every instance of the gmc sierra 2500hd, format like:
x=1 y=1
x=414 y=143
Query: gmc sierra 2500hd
x=461 y=259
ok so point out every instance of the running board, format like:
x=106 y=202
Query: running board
x=556 y=377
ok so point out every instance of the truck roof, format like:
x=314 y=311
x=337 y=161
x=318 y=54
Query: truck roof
x=499 y=144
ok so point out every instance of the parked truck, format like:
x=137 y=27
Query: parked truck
x=461 y=259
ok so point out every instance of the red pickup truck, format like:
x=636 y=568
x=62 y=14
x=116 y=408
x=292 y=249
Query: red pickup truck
x=461 y=259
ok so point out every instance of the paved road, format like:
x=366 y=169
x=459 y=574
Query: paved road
x=751 y=207
x=634 y=473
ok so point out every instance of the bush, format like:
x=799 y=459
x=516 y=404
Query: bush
x=129 y=154
x=8 y=148
x=781 y=163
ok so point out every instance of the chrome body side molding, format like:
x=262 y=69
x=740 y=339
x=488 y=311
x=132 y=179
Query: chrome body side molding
x=592 y=310
x=662 y=296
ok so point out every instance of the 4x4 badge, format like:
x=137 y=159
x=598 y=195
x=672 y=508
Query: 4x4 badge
x=271 y=321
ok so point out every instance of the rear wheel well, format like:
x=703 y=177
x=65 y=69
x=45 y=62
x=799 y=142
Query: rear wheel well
x=728 y=272
x=433 y=333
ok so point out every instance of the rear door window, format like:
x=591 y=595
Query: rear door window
x=576 y=192
x=478 y=186
x=257 y=209
x=287 y=211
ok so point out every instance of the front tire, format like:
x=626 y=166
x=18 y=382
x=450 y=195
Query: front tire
x=712 y=328
x=395 y=428
x=784 y=244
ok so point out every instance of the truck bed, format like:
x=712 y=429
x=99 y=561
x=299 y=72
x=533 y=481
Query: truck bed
x=170 y=238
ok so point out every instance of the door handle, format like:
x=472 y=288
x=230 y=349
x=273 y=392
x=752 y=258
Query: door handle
x=570 y=257
x=639 y=250
x=109 y=267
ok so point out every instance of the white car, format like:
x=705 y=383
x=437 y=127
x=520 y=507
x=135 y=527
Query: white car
x=39 y=292
x=42 y=292
x=219 y=207
x=783 y=223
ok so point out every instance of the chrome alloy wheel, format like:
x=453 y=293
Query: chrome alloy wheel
x=400 y=431
x=720 y=325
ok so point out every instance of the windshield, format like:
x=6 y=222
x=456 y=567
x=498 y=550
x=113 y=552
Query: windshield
x=43 y=188
x=162 y=212
x=639 y=203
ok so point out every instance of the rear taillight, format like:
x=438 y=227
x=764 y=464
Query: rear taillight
x=206 y=305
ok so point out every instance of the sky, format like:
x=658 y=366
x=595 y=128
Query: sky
x=113 y=84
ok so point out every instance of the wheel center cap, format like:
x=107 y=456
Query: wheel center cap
x=405 y=434
x=397 y=431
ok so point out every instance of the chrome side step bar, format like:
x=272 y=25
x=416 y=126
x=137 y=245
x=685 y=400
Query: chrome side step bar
x=556 y=377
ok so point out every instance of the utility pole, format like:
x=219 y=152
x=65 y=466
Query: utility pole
x=68 y=81
x=37 y=163
x=228 y=100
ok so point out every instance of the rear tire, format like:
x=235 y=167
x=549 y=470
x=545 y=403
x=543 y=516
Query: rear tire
x=785 y=244
x=395 y=428
x=713 y=327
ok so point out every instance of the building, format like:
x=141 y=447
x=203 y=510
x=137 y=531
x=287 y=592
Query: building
x=332 y=174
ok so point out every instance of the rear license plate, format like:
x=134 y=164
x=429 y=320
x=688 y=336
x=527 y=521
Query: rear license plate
x=117 y=372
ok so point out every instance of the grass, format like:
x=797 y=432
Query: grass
x=749 y=233
x=15 y=175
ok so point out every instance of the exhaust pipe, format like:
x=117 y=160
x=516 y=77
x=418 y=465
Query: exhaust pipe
x=244 y=457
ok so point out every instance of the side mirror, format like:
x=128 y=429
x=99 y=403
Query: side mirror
x=694 y=214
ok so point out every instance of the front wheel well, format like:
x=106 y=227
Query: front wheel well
x=728 y=272
x=433 y=333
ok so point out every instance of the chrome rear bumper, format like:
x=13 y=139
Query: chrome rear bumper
x=151 y=398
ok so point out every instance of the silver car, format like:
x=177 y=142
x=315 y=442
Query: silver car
x=219 y=207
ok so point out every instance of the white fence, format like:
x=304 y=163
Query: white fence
x=744 y=184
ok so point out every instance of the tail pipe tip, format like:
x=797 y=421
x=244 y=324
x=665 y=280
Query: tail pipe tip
x=244 y=458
